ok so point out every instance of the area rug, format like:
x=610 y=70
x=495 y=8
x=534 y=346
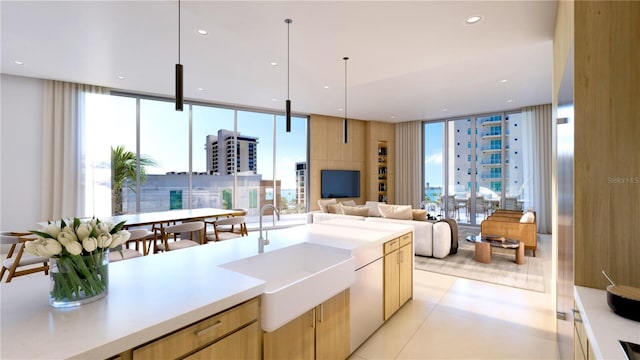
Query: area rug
x=502 y=270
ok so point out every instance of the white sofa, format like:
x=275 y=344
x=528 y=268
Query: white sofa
x=431 y=238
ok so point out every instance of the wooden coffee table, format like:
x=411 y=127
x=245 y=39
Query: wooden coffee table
x=484 y=245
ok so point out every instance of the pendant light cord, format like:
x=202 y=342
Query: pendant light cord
x=179 y=31
x=288 y=21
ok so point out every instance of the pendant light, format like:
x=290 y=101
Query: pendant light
x=288 y=102
x=179 y=87
x=345 y=129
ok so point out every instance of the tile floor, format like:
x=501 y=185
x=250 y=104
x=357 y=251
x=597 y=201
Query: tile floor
x=455 y=318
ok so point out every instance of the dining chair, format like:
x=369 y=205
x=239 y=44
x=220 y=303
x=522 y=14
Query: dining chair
x=183 y=235
x=228 y=228
x=122 y=252
x=27 y=263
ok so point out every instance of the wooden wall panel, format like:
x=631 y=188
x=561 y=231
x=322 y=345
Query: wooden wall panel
x=327 y=151
x=607 y=142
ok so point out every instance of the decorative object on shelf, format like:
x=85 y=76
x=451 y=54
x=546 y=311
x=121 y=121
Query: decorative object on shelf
x=179 y=86
x=288 y=102
x=345 y=133
x=78 y=255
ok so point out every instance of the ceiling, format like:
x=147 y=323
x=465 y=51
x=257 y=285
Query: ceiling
x=415 y=60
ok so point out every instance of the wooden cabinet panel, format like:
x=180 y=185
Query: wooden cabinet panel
x=200 y=334
x=332 y=328
x=406 y=273
x=398 y=273
x=321 y=333
x=391 y=283
x=294 y=340
x=244 y=344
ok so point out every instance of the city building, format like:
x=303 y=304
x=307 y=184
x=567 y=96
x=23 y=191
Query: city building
x=227 y=146
x=301 y=177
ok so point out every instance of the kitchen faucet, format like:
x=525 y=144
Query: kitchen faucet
x=262 y=242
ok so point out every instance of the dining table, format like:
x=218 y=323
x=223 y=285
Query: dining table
x=158 y=219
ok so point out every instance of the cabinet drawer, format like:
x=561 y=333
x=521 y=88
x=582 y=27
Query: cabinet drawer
x=200 y=334
x=391 y=245
x=406 y=239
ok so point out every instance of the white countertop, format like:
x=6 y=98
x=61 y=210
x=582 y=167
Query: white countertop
x=150 y=296
x=604 y=327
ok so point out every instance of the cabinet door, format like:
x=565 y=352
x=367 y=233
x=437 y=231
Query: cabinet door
x=243 y=344
x=406 y=273
x=391 y=286
x=332 y=327
x=294 y=340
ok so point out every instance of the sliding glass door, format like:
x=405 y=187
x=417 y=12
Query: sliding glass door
x=483 y=168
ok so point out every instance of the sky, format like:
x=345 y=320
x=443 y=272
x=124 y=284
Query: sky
x=433 y=153
x=164 y=135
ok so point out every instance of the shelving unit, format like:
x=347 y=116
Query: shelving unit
x=382 y=171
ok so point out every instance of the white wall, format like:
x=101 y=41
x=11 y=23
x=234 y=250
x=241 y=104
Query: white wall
x=20 y=152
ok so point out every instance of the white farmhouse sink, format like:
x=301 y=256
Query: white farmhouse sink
x=298 y=278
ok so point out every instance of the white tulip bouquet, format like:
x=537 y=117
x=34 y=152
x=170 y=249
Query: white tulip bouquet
x=79 y=253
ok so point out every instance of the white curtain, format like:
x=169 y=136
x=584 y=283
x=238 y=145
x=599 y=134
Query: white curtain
x=537 y=149
x=62 y=148
x=408 y=159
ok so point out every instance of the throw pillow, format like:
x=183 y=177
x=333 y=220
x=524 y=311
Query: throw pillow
x=373 y=208
x=348 y=203
x=528 y=217
x=324 y=203
x=402 y=212
x=355 y=210
x=334 y=208
x=419 y=215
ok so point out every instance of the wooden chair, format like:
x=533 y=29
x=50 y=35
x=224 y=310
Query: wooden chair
x=30 y=263
x=123 y=252
x=184 y=235
x=228 y=228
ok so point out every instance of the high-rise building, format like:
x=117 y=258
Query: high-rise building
x=497 y=149
x=230 y=152
x=301 y=181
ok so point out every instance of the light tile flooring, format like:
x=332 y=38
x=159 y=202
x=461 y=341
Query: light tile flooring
x=454 y=318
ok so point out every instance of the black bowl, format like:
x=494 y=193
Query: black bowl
x=623 y=306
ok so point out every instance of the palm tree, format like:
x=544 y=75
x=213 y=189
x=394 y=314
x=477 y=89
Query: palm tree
x=123 y=173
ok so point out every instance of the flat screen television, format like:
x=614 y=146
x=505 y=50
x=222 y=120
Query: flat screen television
x=339 y=184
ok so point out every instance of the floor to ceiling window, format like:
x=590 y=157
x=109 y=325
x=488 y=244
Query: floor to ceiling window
x=205 y=156
x=483 y=167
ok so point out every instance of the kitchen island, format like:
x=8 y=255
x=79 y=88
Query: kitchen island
x=152 y=296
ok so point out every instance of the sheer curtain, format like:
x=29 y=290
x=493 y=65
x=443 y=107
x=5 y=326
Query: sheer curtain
x=62 y=148
x=408 y=177
x=537 y=155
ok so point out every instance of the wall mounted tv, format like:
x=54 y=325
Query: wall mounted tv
x=340 y=183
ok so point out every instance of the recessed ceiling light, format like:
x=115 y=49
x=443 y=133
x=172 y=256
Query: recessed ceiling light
x=503 y=80
x=200 y=89
x=120 y=77
x=509 y=100
x=339 y=109
x=326 y=86
x=444 y=110
x=18 y=62
x=473 y=19
x=393 y=117
x=202 y=32
x=273 y=63
x=274 y=99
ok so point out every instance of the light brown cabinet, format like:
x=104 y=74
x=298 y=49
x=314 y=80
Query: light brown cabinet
x=234 y=333
x=581 y=345
x=320 y=333
x=398 y=273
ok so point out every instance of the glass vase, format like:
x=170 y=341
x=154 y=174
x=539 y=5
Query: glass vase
x=78 y=279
